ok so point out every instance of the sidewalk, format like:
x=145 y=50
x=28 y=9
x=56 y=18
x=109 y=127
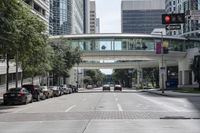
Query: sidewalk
x=171 y=93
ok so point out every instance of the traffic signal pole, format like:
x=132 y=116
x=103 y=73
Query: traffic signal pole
x=162 y=62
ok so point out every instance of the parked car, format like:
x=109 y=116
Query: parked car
x=47 y=92
x=118 y=87
x=56 y=91
x=17 y=96
x=65 y=88
x=35 y=91
x=106 y=87
x=74 y=88
x=89 y=86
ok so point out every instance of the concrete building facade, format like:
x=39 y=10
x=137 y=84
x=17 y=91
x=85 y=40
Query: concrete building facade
x=97 y=25
x=141 y=16
x=66 y=17
x=39 y=8
x=92 y=17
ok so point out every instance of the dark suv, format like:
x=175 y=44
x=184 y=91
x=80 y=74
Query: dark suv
x=35 y=91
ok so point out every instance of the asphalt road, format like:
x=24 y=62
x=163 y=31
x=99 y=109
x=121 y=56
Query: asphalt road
x=94 y=111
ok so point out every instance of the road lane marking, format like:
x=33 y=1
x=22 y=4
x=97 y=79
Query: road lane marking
x=119 y=107
x=116 y=99
x=161 y=104
x=71 y=107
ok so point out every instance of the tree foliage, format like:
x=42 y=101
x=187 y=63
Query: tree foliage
x=64 y=58
x=196 y=69
x=93 y=77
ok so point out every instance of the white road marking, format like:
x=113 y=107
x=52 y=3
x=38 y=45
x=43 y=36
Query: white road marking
x=162 y=104
x=119 y=107
x=71 y=107
x=19 y=110
x=116 y=99
x=84 y=99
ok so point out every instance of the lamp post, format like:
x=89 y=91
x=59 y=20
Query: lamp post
x=162 y=68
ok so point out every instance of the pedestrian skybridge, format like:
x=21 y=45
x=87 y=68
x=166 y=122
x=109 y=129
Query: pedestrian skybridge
x=98 y=47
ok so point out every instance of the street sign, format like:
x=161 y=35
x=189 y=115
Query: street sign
x=173 y=27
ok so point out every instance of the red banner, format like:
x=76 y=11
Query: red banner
x=158 y=47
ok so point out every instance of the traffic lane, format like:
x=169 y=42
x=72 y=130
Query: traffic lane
x=138 y=103
x=72 y=126
x=102 y=126
x=143 y=126
x=57 y=104
x=150 y=102
x=182 y=103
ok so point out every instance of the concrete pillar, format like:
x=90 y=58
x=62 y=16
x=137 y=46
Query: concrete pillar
x=139 y=76
x=162 y=72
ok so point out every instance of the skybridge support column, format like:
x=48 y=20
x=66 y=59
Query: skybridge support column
x=139 y=77
x=162 y=74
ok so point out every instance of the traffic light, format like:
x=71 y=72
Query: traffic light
x=165 y=47
x=173 y=18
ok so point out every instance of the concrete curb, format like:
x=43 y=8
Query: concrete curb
x=173 y=94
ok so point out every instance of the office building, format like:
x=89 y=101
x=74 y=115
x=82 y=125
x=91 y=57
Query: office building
x=39 y=8
x=141 y=16
x=66 y=17
x=92 y=17
x=86 y=12
x=97 y=25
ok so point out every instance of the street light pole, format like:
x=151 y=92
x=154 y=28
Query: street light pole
x=162 y=66
x=77 y=74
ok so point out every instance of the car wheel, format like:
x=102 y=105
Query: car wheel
x=5 y=103
x=25 y=102
x=38 y=98
x=31 y=100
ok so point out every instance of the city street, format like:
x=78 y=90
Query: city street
x=94 y=111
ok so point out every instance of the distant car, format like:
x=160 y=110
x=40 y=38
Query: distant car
x=35 y=91
x=74 y=88
x=47 y=92
x=56 y=91
x=66 y=89
x=106 y=87
x=89 y=86
x=117 y=87
x=17 y=96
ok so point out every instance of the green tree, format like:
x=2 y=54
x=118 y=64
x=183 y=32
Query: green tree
x=93 y=77
x=9 y=13
x=196 y=69
x=65 y=57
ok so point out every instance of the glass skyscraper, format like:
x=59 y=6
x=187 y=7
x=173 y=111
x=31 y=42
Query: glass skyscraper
x=66 y=17
x=141 y=16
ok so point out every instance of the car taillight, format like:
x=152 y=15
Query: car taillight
x=20 y=94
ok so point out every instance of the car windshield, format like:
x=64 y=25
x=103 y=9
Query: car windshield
x=15 y=90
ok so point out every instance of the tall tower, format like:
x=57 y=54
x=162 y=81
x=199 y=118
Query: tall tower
x=141 y=16
x=92 y=17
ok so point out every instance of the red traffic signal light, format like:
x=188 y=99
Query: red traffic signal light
x=173 y=18
x=167 y=19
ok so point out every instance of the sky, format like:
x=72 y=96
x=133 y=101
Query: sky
x=109 y=12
